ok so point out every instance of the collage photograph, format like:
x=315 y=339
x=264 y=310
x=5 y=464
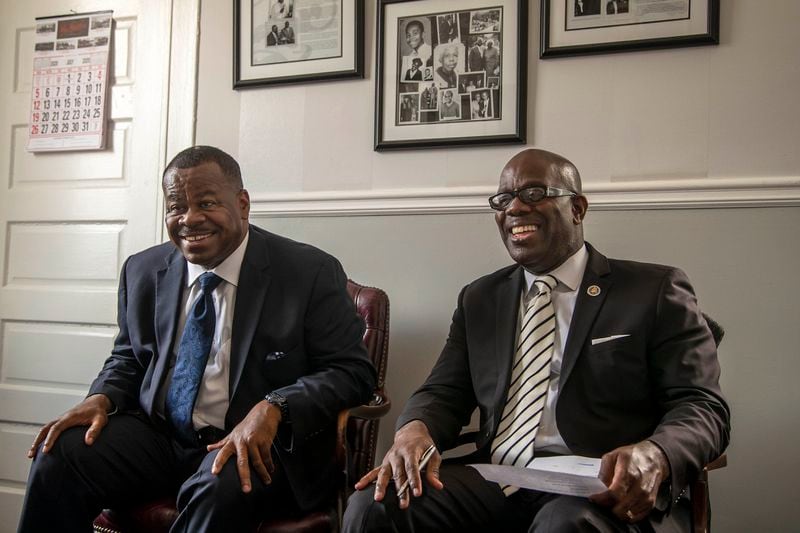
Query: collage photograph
x=449 y=66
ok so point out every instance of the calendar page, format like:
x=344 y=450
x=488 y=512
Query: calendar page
x=70 y=75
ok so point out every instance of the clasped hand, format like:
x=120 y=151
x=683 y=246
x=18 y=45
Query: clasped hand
x=401 y=462
x=633 y=475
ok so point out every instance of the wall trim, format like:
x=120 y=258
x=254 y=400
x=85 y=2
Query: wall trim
x=630 y=195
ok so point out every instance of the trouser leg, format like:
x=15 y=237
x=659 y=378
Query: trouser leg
x=566 y=514
x=69 y=486
x=466 y=503
x=208 y=502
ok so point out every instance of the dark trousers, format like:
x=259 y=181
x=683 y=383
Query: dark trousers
x=132 y=462
x=470 y=503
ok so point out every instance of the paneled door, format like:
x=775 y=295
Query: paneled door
x=68 y=220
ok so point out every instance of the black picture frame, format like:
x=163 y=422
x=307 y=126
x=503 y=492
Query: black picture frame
x=498 y=117
x=604 y=34
x=255 y=65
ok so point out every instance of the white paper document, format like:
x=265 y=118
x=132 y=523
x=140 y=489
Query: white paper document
x=572 y=475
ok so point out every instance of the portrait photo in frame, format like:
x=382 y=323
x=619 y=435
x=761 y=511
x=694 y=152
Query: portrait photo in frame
x=450 y=73
x=293 y=41
x=580 y=27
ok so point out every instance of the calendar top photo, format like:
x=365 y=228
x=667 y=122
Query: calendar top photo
x=70 y=77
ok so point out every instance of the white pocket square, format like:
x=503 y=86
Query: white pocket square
x=601 y=340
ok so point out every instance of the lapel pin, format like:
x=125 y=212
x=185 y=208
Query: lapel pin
x=593 y=290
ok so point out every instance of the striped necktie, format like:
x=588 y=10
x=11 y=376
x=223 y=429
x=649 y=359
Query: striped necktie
x=190 y=365
x=527 y=392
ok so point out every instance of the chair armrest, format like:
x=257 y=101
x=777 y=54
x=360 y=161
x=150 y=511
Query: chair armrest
x=701 y=516
x=375 y=409
x=719 y=462
x=379 y=405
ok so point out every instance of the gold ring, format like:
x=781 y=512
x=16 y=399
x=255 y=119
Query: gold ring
x=629 y=514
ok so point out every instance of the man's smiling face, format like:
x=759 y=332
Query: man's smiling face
x=206 y=213
x=541 y=236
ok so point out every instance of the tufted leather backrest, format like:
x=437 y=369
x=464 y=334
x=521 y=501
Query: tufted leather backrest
x=372 y=305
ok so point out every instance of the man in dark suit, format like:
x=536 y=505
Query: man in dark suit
x=287 y=34
x=475 y=56
x=414 y=73
x=285 y=357
x=273 y=38
x=617 y=362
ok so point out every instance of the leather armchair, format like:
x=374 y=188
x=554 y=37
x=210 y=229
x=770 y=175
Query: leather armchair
x=357 y=434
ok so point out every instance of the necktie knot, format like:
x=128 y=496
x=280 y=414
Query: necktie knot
x=209 y=281
x=546 y=284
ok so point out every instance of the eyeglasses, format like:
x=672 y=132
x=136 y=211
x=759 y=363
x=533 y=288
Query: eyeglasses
x=529 y=195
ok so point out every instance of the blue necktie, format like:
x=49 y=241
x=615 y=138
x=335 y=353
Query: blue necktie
x=198 y=333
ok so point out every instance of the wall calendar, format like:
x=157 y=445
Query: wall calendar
x=70 y=77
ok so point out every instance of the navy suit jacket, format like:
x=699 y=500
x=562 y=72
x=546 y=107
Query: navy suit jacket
x=295 y=331
x=660 y=383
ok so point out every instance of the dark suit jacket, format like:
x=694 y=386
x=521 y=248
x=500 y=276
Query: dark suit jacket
x=272 y=39
x=660 y=383
x=475 y=59
x=416 y=76
x=295 y=331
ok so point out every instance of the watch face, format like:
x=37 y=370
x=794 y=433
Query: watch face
x=276 y=399
x=280 y=402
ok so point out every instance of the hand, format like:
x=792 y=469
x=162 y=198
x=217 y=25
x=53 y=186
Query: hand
x=92 y=412
x=633 y=475
x=250 y=442
x=402 y=460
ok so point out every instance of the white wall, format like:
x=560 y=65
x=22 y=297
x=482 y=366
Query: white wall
x=718 y=117
x=714 y=129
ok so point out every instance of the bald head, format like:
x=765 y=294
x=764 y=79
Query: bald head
x=536 y=160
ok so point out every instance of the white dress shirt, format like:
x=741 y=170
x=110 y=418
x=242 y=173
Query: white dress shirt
x=569 y=275
x=213 y=395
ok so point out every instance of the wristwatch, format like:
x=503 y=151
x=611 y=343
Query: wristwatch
x=280 y=402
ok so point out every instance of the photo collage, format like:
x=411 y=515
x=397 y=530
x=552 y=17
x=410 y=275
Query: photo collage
x=450 y=67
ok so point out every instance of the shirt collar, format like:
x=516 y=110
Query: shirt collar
x=569 y=273
x=228 y=270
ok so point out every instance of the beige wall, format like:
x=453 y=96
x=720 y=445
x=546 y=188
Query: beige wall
x=706 y=117
x=690 y=157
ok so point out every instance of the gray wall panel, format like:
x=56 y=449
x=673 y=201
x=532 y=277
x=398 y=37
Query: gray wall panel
x=741 y=262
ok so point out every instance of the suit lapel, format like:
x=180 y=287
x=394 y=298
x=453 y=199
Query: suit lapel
x=586 y=309
x=253 y=282
x=169 y=284
x=507 y=312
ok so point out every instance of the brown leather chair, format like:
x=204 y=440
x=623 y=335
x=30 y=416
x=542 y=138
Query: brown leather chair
x=357 y=434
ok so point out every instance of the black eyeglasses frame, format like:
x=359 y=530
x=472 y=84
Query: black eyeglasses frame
x=524 y=195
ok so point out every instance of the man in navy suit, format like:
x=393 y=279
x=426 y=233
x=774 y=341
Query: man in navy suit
x=630 y=376
x=285 y=358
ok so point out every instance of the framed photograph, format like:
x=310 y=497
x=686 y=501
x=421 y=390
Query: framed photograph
x=450 y=73
x=292 y=41
x=579 y=27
